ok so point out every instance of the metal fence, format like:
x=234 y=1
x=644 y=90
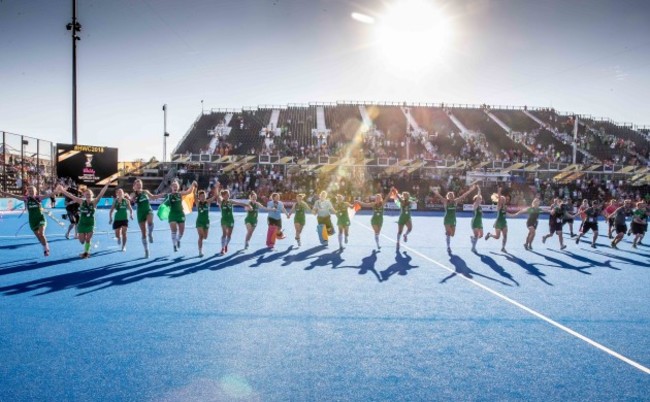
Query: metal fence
x=26 y=161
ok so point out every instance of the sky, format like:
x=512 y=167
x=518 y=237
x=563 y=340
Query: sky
x=583 y=56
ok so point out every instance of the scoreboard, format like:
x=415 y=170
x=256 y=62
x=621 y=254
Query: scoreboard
x=86 y=164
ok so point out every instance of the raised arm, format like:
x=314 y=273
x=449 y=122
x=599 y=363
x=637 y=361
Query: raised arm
x=437 y=195
x=191 y=189
x=462 y=197
x=61 y=190
x=9 y=195
x=521 y=211
x=239 y=204
x=101 y=194
x=154 y=196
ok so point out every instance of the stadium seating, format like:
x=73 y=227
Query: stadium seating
x=197 y=139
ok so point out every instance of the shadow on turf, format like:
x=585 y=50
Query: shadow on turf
x=528 y=267
x=461 y=268
x=31 y=265
x=367 y=265
x=401 y=266
x=496 y=267
x=586 y=260
x=563 y=263
x=124 y=273
x=33 y=243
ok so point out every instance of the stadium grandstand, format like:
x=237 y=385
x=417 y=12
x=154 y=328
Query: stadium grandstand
x=361 y=148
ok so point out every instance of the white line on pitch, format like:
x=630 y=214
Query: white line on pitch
x=526 y=309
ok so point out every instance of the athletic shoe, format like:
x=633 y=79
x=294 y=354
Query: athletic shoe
x=225 y=248
x=146 y=253
x=124 y=249
x=118 y=241
x=405 y=238
x=487 y=236
x=530 y=248
x=67 y=236
x=150 y=237
x=563 y=247
x=223 y=251
x=633 y=245
x=473 y=249
x=200 y=254
x=46 y=252
x=178 y=243
x=84 y=255
x=526 y=246
x=543 y=239
x=503 y=250
x=614 y=245
x=341 y=248
x=593 y=245
x=629 y=232
x=175 y=248
x=246 y=246
x=578 y=240
x=448 y=250
x=346 y=240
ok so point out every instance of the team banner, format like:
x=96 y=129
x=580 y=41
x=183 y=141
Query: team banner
x=86 y=164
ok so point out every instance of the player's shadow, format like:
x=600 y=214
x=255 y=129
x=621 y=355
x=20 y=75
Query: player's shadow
x=586 y=260
x=622 y=259
x=461 y=268
x=367 y=265
x=76 y=279
x=30 y=265
x=28 y=244
x=264 y=259
x=528 y=267
x=332 y=259
x=496 y=267
x=301 y=256
x=401 y=266
x=563 y=264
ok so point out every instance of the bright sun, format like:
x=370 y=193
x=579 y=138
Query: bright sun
x=412 y=35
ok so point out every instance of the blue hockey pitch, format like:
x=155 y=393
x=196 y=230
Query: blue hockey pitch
x=313 y=323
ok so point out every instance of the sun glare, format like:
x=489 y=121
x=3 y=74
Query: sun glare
x=412 y=35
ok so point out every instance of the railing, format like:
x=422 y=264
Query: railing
x=37 y=160
x=429 y=163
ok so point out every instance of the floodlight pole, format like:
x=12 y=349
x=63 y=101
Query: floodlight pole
x=165 y=134
x=575 y=138
x=74 y=27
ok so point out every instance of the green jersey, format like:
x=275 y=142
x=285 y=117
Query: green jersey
x=405 y=212
x=86 y=217
x=176 y=214
x=35 y=213
x=203 y=215
x=252 y=213
x=143 y=206
x=121 y=207
x=227 y=218
x=300 y=216
x=477 y=219
x=377 y=215
x=450 y=214
x=342 y=215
